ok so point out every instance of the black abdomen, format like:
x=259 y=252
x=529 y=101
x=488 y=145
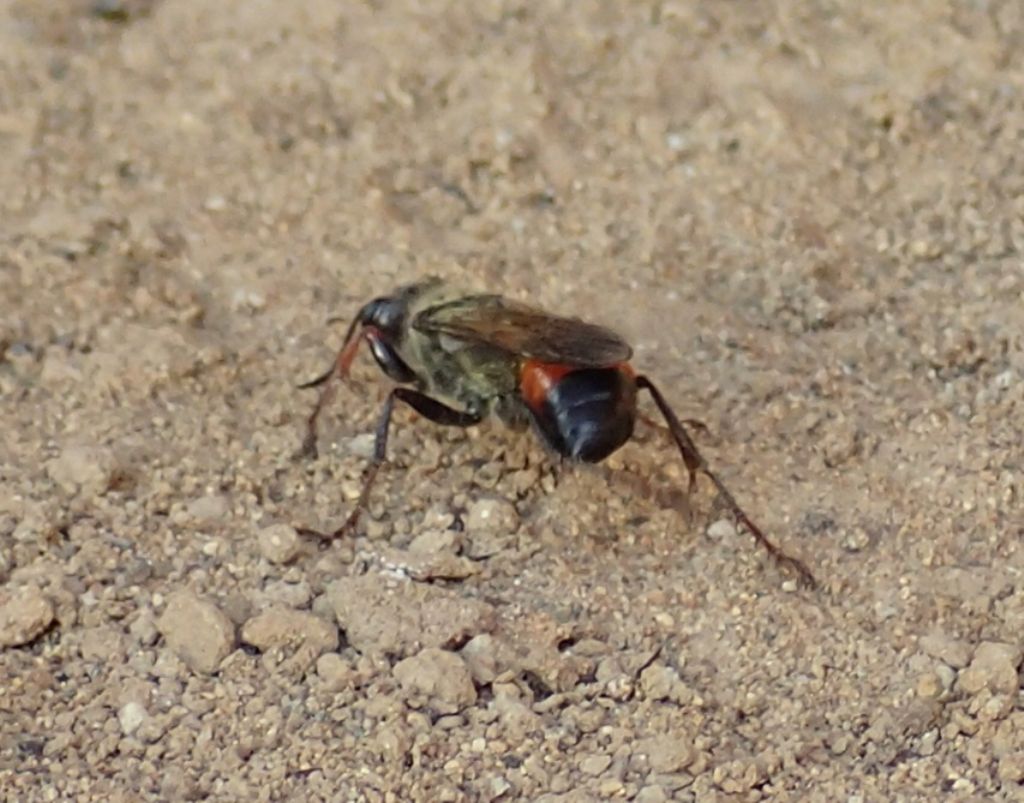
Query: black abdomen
x=588 y=413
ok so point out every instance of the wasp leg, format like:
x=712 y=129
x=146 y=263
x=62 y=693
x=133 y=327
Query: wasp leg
x=695 y=463
x=329 y=380
x=694 y=423
x=429 y=408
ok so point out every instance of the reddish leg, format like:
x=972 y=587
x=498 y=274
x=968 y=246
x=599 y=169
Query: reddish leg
x=329 y=380
x=695 y=463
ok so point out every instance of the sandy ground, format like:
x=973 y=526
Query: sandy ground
x=807 y=217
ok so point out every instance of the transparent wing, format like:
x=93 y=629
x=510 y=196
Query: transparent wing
x=522 y=330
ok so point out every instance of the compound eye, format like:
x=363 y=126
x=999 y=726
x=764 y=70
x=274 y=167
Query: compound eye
x=383 y=313
x=389 y=361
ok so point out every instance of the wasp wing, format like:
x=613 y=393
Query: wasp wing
x=518 y=329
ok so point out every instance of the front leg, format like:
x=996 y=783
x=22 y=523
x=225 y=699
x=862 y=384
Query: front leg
x=426 y=406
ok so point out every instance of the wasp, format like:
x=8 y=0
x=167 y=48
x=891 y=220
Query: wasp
x=460 y=357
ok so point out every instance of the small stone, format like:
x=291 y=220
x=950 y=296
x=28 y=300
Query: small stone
x=492 y=514
x=439 y=675
x=953 y=651
x=143 y=630
x=929 y=686
x=197 y=631
x=657 y=681
x=209 y=509
x=428 y=565
x=393 y=743
x=433 y=541
x=88 y=470
x=362 y=445
x=839 y=744
x=283 y=627
x=499 y=786
x=946 y=675
x=481 y=656
x=280 y=593
x=25 y=614
x=1011 y=768
x=721 y=529
x=131 y=716
x=855 y=540
x=667 y=753
x=651 y=794
x=994 y=667
x=101 y=644
x=279 y=543
x=595 y=764
x=517 y=717
x=335 y=672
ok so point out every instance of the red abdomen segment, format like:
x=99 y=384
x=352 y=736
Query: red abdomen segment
x=582 y=413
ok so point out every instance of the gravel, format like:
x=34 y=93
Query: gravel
x=805 y=218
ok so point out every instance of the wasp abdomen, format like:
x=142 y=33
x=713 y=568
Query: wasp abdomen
x=582 y=413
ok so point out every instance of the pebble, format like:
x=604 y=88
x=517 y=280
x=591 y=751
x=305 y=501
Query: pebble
x=335 y=672
x=393 y=743
x=667 y=753
x=517 y=717
x=428 y=565
x=953 y=651
x=651 y=794
x=499 y=786
x=101 y=644
x=143 y=629
x=1011 y=768
x=88 y=470
x=721 y=529
x=197 y=631
x=492 y=514
x=994 y=667
x=281 y=627
x=362 y=445
x=595 y=764
x=481 y=656
x=439 y=675
x=380 y=615
x=658 y=681
x=929 y=686
x=433 y=541
x=279 y=543
x=280 y=593
x=25 y=614
x=131 y=716
x=209 y=509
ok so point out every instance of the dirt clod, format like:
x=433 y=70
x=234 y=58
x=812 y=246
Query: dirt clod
x=284 y=627
x=25 y=614
x=197 y=631
x=440 y=676
x=88 y=470
x=400 y=617
x=993 y=667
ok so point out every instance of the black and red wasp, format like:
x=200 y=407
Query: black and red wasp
x=484 y=354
